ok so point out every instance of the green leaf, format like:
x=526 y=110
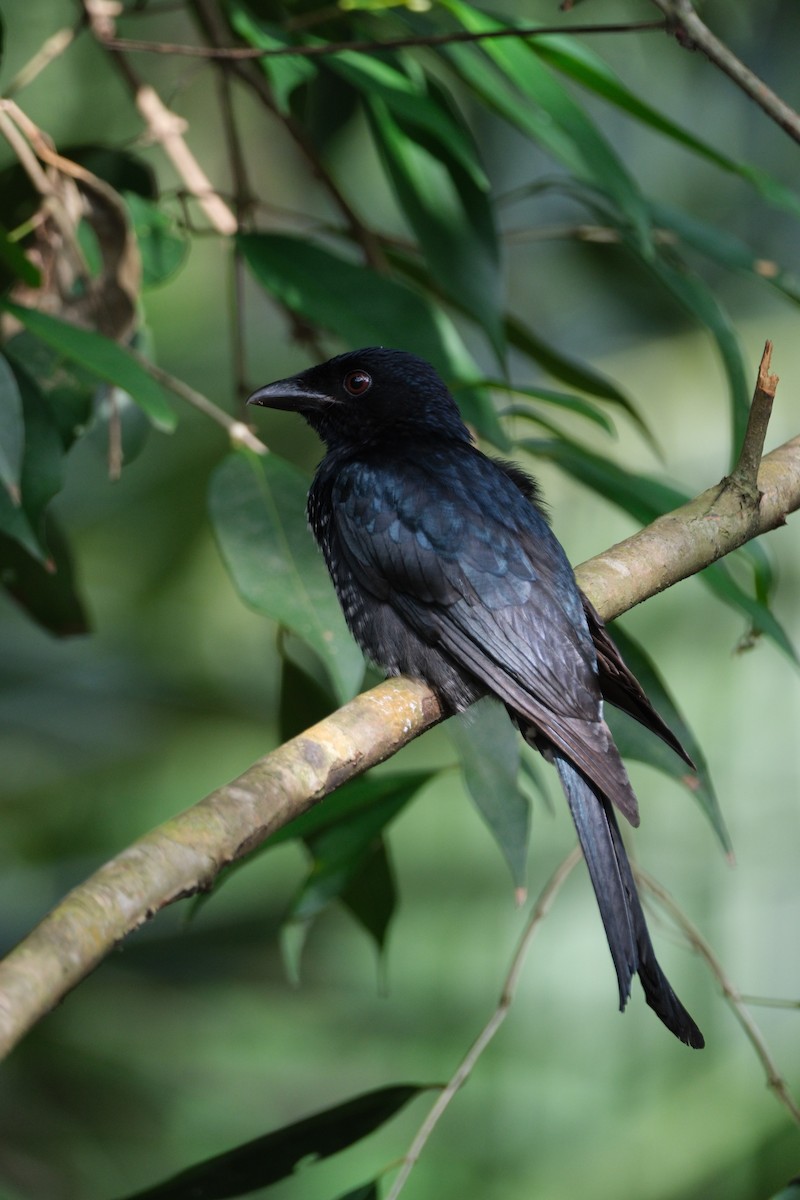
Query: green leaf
x=103 y=357
x=551 y=117
x=719 y=578
x=350 y=859
x=364 y=308
x=634 y=741
x=449 y=212
x=489 y=750
x=12 y=431
x=17 y=264
x=69 y=389
x=363 y=882
x=722 y=247
x=571 y=403
x=351 y=803
x=41 y=475
x=285 y=74
x=48 y=594
x=790 y=1192
x=371 y=894
x=409 y=101
x=258 y=508
x=645 y=499
x=575 y=59
x=368 y=1192
x=163 y=247
x=642 y=496
x=517 y=335
x=305 y=698
x=569 y=371
x=701 y=303
x=276 y=1155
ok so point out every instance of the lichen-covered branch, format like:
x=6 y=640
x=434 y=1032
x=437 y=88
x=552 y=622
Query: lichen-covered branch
x=186 y=854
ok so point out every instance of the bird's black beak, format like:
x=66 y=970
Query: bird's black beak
x=291 y=395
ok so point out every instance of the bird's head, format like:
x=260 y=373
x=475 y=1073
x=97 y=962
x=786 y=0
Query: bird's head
x=374 y=396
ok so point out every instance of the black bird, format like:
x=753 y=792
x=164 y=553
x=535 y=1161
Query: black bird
x=447 y=570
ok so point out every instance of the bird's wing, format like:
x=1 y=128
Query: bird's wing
x=474 y=569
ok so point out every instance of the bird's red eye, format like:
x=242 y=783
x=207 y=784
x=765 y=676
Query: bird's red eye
x=357 y=383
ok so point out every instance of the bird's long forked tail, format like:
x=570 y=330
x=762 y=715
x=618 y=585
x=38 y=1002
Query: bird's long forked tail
x=619 y=904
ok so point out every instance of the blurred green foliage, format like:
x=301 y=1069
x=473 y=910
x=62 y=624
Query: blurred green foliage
x=513 y=211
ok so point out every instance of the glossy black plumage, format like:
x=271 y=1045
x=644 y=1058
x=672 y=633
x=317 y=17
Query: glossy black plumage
x=447 y=569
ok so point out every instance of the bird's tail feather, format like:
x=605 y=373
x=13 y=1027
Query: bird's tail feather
x=618 y=900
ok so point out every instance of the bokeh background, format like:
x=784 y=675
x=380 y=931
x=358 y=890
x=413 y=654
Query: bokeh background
x=191 y=1038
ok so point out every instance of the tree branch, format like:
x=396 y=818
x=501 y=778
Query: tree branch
x=213 y=24
x=187 y=853
x=540 y=910
x=745 y=473
x=736 y=1000
x=164 y=127
x=371 y=46
x=694 y=34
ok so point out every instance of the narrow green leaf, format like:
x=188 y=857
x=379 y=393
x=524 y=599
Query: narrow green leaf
x=363 y=883
x=643 y=745
x=576 y=374
x=69 y=389
x=409 y=101
x=41 y=475
x=645 y=499
x=642 y=496
x=350 y=803
x=790 y=1192
x=305 y=698
x=368 y=1192
x=719 y=578
x=450 y=214
x=12 y=431
x=106 y=359
x=364 y=308
x=565 y=400
x=276 y=1155
x=48 y=594
x=489 y=750
x=722 y=247
x=550 y=116
x=257 y=508
x=17 y=264
x=575 y=59
x=351 y=864
x=701 y=302
x=284 y=74
x=371 y=895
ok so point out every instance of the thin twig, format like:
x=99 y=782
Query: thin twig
x=769 y=1002
x=745 y=473
x=212 y=24
x=244 y=202
x=694 y=34
x=540 y=910
x=239 y=433
x=168 y=129
x=370 y=46
x=29 y=144
x=775 y=1080
x=49 y=50
x=163 y=126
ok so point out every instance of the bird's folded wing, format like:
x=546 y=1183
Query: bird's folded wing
x=494 y=591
